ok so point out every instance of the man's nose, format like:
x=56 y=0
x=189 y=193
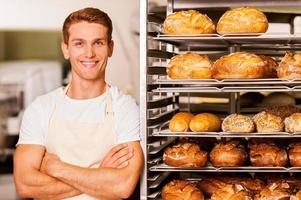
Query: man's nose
x=90 y=51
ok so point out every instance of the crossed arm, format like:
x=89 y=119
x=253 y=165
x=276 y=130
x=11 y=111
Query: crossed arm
x=42 y=175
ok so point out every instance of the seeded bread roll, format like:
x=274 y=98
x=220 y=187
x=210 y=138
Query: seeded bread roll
x=188 y=22
x=189 y=66
x=236 y=123
x=230 y=154
x=181 y=190
x=240 y=65
x=290 y=66
x=294 y=154
x=275 y=191
x=231 y=192
x=205 y=122
x=185 y=155
x=267 y=154
x=242 y=20
x=266 y=122
x=282 y=111
x=293 y=123
x=180 y=122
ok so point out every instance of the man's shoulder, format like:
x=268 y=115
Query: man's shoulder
x=120 y=98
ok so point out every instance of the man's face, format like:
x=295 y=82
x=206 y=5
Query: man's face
x=88 y=50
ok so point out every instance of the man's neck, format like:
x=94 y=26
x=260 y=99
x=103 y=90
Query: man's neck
x=86 y=89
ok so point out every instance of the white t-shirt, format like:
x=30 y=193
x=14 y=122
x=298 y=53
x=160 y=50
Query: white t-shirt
x=37 y=115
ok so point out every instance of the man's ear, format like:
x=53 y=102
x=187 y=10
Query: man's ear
x=65 y=51
x=111 y=48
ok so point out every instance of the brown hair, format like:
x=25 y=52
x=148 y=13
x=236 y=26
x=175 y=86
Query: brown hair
x=90 y=15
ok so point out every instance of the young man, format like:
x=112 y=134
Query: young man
x=65 y=149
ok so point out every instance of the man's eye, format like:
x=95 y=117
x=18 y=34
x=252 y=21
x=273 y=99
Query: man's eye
x=99 y=43
x=78 y=44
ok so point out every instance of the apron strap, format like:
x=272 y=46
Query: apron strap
x=109 y=103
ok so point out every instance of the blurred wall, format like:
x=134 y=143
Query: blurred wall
x=2 y=46
x=48 y=15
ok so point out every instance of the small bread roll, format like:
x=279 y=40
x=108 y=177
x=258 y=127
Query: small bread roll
x=181 y=190
x=275 y=191
x=293 y=123
x=290 y=66
x=294 y=154
x=267 y=154
x=239 y=65
x=205 y=122
x=236 y=123
x=231 y=192
x=230 y=154
x=180 y=122
x=242 y=20
x=266 y=122
x=279 y=99
x=185 y=155
x=298 y=195
x=188 y=22
x=210 y=185
x=282 y=111
x=189 y=66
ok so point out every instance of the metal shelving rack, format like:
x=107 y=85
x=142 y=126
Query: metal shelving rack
x=159 y=95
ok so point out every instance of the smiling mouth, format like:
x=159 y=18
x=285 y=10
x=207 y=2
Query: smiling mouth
x=89 y=64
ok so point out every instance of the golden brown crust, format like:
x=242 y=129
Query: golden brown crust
x=236 y=123
x=230 y=154
x=275 y=191
x=181 y=190
x=298 y=195
x=210 y=185
x=293 y=123
x=290 y=66
x=231 y=192
x=267 y=122
x=185 y=155
x=205 y=122
x=242 y=20
x=264 y=154
x=188 y=22
x=180 y=122
x=282 y=111
x=270 y=66
x=254 y=185
x=294 y=154
x=239 y=65
x=189 y=66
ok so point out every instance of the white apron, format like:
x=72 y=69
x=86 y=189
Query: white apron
x=78 y=143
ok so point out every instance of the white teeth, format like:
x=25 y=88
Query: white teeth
x=89 y=63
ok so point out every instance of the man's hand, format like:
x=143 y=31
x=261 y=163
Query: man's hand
x=118 y=157
x=50 y=163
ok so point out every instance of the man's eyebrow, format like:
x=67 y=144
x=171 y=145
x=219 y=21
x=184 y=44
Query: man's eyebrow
x=76 y=39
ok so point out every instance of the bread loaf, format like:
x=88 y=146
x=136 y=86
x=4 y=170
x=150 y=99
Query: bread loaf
x=239 y=65
x=279 y=99
x=230 y=154
x=209 y=185
x=205 y=122
x=231 y=192
x=242 y=20
x=267 y=122
x=275 y=191
x=293 y=123
x=294 y=154
x=185 y=155
x=282 y=111
x=181 y=190
x=188 y=22
x=236 y=123
x=290 y=66
x=180 y=122
x=189 y=66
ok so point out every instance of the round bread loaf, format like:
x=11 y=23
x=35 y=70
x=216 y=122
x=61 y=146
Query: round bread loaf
x=236 y=123
x=180 y=122
x=181 y=190
x=253 y=185
x=239 y=65
x=185 y=155
x=293 y=123
x=294 y=154
x=279 y=99
x=267 y=122
x=290 y=66
x=189 y=66
x=210 y=185
x=270 y=65
x=267 y=155
x=275 y=191
x=282 y=111
x=298 y=195
x=188 y=22
x=230 y=154
x=242 y=20
x=231 y=192
x=205 y=122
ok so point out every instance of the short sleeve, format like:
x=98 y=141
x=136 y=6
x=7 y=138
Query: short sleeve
x=31 y=131
x=127 y=121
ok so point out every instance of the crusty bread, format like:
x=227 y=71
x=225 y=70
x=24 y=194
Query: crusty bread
x=231 y=192
x=242 y=20
x=188 y=22
x=293 y=123
x=185 y=155
x=236 y=123
x=181 y=190
x=189 y=66
x=294 y=154
x=275 y=191
x=267 y=122
x=290 y=66
x=205 y=122
x=180 y=122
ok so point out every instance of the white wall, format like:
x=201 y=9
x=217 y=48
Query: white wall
x=123 y=68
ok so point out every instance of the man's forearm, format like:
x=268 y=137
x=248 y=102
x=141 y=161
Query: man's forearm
x=41 y=186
